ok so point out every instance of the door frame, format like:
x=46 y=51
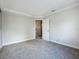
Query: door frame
x=36 y=30
x=43 y=19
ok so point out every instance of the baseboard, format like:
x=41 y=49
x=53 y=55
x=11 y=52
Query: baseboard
x=66 y=44
x=10 y=43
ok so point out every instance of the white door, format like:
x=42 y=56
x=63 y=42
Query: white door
x=0 y=30
x=45 y=28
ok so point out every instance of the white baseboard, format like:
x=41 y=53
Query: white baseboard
x=66 y=44
x=73 y=46
x=10 y=43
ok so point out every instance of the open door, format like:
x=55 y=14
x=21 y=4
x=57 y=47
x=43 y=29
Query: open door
x=38 y=24
x=42 y=29
x=45 y=28
x=0 y=29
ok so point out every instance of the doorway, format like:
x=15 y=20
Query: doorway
x=38 y=29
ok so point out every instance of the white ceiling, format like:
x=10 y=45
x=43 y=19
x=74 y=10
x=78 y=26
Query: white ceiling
x=36 y=7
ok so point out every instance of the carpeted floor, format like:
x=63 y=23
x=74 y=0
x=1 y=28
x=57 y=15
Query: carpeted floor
x=38 y=49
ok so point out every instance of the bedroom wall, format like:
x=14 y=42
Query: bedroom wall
x=16 y=28
x=64 y=27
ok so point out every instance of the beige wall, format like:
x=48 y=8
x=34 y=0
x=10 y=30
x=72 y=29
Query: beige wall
x=64 y=27
x=16 y=28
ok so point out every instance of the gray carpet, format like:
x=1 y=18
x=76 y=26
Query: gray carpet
x=38 y=49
